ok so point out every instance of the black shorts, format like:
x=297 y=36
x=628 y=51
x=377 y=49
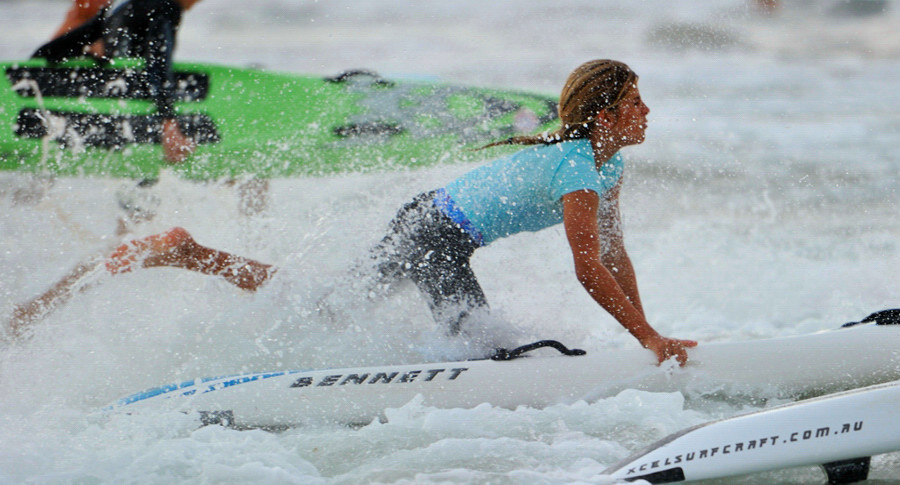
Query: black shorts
x=426 y=246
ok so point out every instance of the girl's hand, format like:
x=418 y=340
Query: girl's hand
x=665 y=348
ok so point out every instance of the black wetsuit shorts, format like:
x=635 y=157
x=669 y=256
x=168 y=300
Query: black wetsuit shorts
x=426 y=246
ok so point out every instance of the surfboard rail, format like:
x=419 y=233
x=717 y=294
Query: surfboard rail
x=794 y=367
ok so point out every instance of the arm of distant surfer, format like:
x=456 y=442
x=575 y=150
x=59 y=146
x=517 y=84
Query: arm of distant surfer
x=580 y=211
x=176 y=146
x=72 y=44
x=80 y=12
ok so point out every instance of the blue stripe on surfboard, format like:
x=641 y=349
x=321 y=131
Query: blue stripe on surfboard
x=192 y=386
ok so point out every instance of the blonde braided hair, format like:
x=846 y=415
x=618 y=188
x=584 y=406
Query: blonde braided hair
x=592 y=87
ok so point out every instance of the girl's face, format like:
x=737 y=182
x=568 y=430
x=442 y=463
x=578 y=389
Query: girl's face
x=629 y=121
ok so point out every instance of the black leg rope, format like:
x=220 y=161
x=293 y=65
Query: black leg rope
x=504 y=354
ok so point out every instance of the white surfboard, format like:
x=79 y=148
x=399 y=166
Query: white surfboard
x=838 y=431
x=789 y=367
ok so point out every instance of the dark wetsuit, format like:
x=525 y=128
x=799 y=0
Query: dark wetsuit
x=130 y=28
x=428 y=247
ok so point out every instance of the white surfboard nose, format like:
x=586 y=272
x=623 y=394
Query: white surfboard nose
x=838 y=431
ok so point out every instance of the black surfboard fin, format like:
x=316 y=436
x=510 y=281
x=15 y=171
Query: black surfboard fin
x=883 y=317
x=847 y=471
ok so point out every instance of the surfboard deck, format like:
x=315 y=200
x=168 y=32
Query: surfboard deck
x=84 y=119
x=840 y=431
x=789 y=367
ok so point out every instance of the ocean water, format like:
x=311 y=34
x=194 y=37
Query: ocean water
x=763 y=203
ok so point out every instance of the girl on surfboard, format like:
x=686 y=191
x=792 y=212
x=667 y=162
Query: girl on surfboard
x=571 y=176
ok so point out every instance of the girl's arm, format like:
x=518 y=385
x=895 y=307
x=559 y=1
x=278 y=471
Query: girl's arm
x=580 y=211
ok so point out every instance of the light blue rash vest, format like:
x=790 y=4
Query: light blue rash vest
x=523 y=191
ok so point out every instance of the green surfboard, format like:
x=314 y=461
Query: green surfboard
x=84 y=119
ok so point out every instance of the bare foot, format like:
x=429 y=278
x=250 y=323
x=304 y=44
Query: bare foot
x=177 y=249
x=139 y=251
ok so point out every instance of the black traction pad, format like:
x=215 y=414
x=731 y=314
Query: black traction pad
x=98 y=82
x=109 y=131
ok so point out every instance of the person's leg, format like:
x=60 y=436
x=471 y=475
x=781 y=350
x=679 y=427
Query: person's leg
x=424 y=245
x=453 y=291
x=26 y=313
x=437 y=258
x=388 y=261
x=176 y=248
